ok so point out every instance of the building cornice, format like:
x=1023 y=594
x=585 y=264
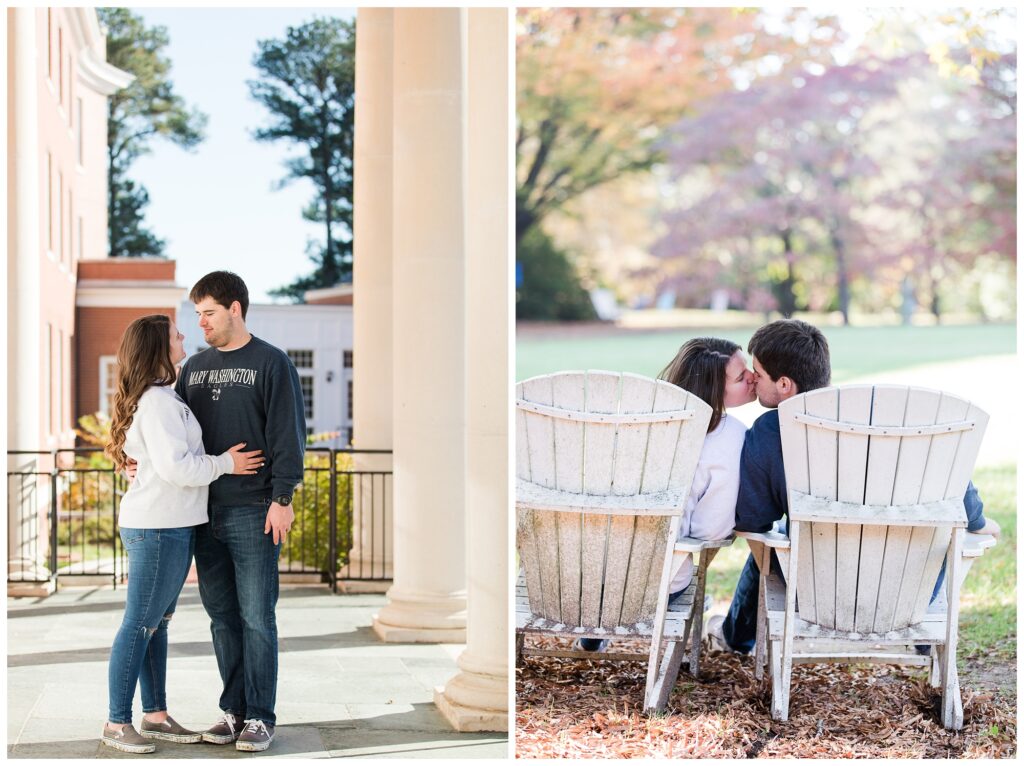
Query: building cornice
x=338 y=291
x=128 y=294
x=93 y=69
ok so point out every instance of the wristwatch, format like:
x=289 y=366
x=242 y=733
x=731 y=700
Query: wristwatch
x=283 y=499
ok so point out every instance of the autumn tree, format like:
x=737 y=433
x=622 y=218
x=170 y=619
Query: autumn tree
x=787 y=159
x=595 y=86
x=307 y=85
x=145 y=109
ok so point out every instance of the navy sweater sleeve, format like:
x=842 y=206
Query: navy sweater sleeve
x=762 y=495
x=285 y=432
x=974 y=508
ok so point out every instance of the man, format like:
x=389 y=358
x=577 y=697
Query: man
x=243 y=389
x=790 y=357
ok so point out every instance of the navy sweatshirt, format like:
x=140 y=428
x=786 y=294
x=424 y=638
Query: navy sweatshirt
x=762 y=498
x=249 y=395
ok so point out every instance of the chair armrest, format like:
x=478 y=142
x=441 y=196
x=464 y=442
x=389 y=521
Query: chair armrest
x=976 y=545
x=693 y=545
x=772 y=539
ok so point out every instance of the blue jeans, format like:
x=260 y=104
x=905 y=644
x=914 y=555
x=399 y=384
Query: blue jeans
x=740 y=626
x=158 y=562
x=238 y=583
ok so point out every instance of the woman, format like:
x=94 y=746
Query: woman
x=163 y=504
x=715 y=370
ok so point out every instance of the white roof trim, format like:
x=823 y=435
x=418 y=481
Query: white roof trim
x=103 y=296
x=93 y=69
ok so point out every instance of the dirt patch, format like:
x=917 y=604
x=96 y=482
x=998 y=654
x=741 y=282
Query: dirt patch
x=569 y=708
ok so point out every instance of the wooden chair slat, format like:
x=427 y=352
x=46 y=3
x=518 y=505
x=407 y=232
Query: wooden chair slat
x=540 y=433
x=794 y=455
x=913 y=585
x=568 y=391
x=620 y=543
x=942 y=454
x=632 y=439
x=648 y=545
x=691 y=439
x=854 y=407
x=662 y=439
x=602 y=395
x=822 y=460
x=888 y=408
x=570 y=551
x=595 y=535
x=967 y=453
x=545 y=527
x=526 y=542
x=522 y=443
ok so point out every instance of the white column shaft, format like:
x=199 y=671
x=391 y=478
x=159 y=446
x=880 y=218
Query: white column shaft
x=427 y=600
x=476 y=699
x=24 y=418
x=371 y=554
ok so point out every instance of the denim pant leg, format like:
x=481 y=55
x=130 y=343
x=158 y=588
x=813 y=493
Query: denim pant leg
x=740 y=626
x=216 y=574
x=253 y=556
x=158 y=560
x=153 y=677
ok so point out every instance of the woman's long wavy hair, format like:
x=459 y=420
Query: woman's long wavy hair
x=699 y=367
x=143 y=360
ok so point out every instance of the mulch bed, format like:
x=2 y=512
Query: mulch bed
x=567 y=708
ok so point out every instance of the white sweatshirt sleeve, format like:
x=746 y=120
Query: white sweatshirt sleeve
x=714 y=514
x=163 y=433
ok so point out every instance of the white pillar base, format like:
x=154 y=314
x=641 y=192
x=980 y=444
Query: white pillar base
x=31 y=589
x=474 y=702
x=421 y=619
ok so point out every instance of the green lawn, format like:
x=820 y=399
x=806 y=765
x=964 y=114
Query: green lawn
x=855 y=351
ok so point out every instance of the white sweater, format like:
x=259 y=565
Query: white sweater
x=710 y=510
x=174 y=473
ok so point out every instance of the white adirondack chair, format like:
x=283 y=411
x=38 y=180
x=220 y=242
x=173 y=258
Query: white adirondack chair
x=604 y=464
x=876 y=477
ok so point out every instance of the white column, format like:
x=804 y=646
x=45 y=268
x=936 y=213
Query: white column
x=476 y=698
x=428 y=599
x=24 y=419
x=372 y=500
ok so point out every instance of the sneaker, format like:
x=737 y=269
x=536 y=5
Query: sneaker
x=714 y=632
x=224 y=732
x=170 y=730
x=127 y=740
x=591 y=644
x=256 y=736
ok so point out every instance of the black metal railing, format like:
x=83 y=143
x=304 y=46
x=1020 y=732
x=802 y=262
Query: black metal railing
x=63 y=505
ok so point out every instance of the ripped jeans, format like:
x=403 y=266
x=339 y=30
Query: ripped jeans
x=158 y=563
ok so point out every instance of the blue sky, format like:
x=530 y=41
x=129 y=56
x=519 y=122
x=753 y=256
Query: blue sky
x=216 y=206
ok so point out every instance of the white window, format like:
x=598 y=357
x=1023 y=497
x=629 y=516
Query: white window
x=49 y=202
x=108 y=383
x=81 y=239
x=306 y=384
x=60 y=215
x=79 y=130
x=302 y=359
x=61 y=425
x=48 y=377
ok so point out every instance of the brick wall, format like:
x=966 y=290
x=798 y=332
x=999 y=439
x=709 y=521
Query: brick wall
x=99 y=334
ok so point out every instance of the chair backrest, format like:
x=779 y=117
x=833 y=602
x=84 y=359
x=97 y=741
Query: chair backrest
x=611 y=435
x=876 y=478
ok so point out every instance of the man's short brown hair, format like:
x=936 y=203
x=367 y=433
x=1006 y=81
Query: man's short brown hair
x=794 y=349
x=224 y=287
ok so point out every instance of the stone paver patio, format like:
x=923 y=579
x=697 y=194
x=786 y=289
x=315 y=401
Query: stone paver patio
x=341 y=691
